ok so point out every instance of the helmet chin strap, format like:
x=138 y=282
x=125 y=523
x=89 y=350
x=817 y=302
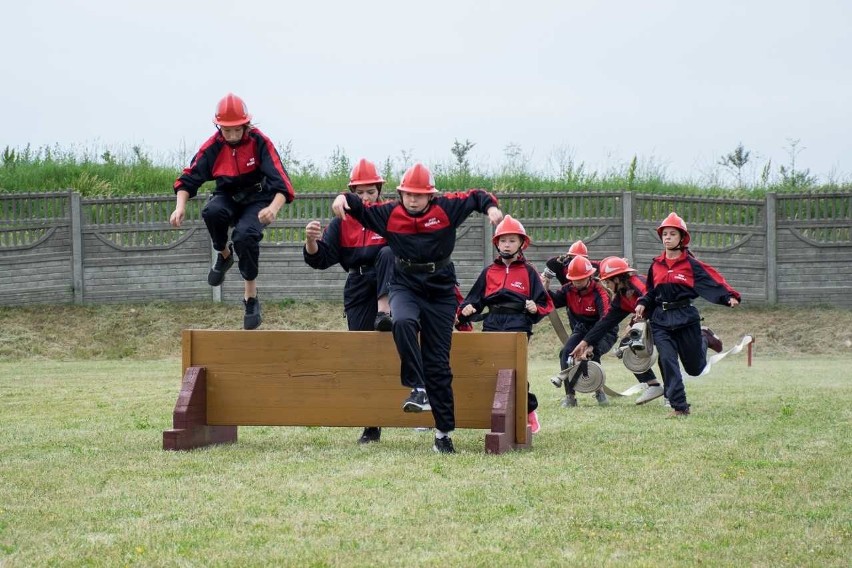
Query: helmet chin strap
x=507 y=254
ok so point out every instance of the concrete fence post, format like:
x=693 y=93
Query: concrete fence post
x=76 y=227
x=771 y=249
x=627 y=225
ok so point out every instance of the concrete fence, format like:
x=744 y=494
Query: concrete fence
x=61 y=248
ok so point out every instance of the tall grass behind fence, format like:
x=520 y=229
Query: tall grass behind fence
x=126 y=171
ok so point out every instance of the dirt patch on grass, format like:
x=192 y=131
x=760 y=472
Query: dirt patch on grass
x=152 y=331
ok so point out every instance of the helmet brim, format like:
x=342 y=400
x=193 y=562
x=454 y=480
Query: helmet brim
x=419 y=190
x=241 y=122
x=619 y=273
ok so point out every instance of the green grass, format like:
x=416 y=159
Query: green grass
x=100 y=172
x=758 y=475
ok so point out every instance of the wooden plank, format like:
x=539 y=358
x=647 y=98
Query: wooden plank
x=186 y=350
x=317 y=378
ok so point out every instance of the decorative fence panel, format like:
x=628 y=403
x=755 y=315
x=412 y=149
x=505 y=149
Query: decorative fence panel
x=814 y=261
x=59 y=248
x=132 y=254
x=36 y=249
x=728 y=234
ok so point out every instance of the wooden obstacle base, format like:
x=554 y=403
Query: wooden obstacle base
x=312 y=378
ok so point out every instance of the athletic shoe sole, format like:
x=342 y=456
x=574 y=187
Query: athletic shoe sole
x=414 y=407
x=650 y=395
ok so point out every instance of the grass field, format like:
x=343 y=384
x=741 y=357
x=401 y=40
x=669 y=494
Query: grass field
x=758 y=475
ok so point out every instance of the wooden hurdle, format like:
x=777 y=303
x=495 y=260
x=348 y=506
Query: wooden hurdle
x=339 y=378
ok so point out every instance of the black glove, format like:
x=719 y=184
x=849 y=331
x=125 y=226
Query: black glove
x=557 y=266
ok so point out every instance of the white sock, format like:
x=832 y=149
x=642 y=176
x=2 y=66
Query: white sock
x=420 y=389
x=439 y=435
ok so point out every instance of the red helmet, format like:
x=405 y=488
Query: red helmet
x=365 y=173
x=511 y=226
x=417 y=179
x=613 y=266
x=579 y=249
x=231 y=111
x=580 y=267
x=675 y=222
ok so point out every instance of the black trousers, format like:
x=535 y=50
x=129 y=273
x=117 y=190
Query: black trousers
x=686 y=343
x=221 y=213
x=362 y=290
x=427 y=362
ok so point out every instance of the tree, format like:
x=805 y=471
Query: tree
x=735 y=162
x=791 y=177
x=460 y=150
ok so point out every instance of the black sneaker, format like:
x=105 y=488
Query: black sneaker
x=444 y=446
x=713 y=341
x=252 y=318
x=383 y=322
x=217 y=274
x=370 y=434
x=417 y=401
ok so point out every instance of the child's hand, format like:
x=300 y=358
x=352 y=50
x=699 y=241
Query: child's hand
x=581 y=352
x=177 y=217
x=531 y=307
x=340 y=206
x=267 y=215
x=495 y=215
x=313 y=231
x=468 y=310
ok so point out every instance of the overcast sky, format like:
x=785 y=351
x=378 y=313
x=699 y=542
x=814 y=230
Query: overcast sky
x=676 y=82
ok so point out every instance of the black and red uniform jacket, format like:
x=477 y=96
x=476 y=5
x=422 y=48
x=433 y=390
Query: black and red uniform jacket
x=348 y=243
x=429 y=236
x=621 y=306
x=505 y=289
x=559 y=266
x=354 y=247
x=585 y=307
x=676 y=283
x=253 y=160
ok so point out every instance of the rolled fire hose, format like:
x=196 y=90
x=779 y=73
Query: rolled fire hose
x=584 y=376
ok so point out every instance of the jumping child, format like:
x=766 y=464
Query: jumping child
x=251 y=187
x=421 y=231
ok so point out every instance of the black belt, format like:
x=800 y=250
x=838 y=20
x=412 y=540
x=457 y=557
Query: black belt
x=675 y=305
x=363 y=269
x=408 y=266
x=507 y=308
x=247 y=194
